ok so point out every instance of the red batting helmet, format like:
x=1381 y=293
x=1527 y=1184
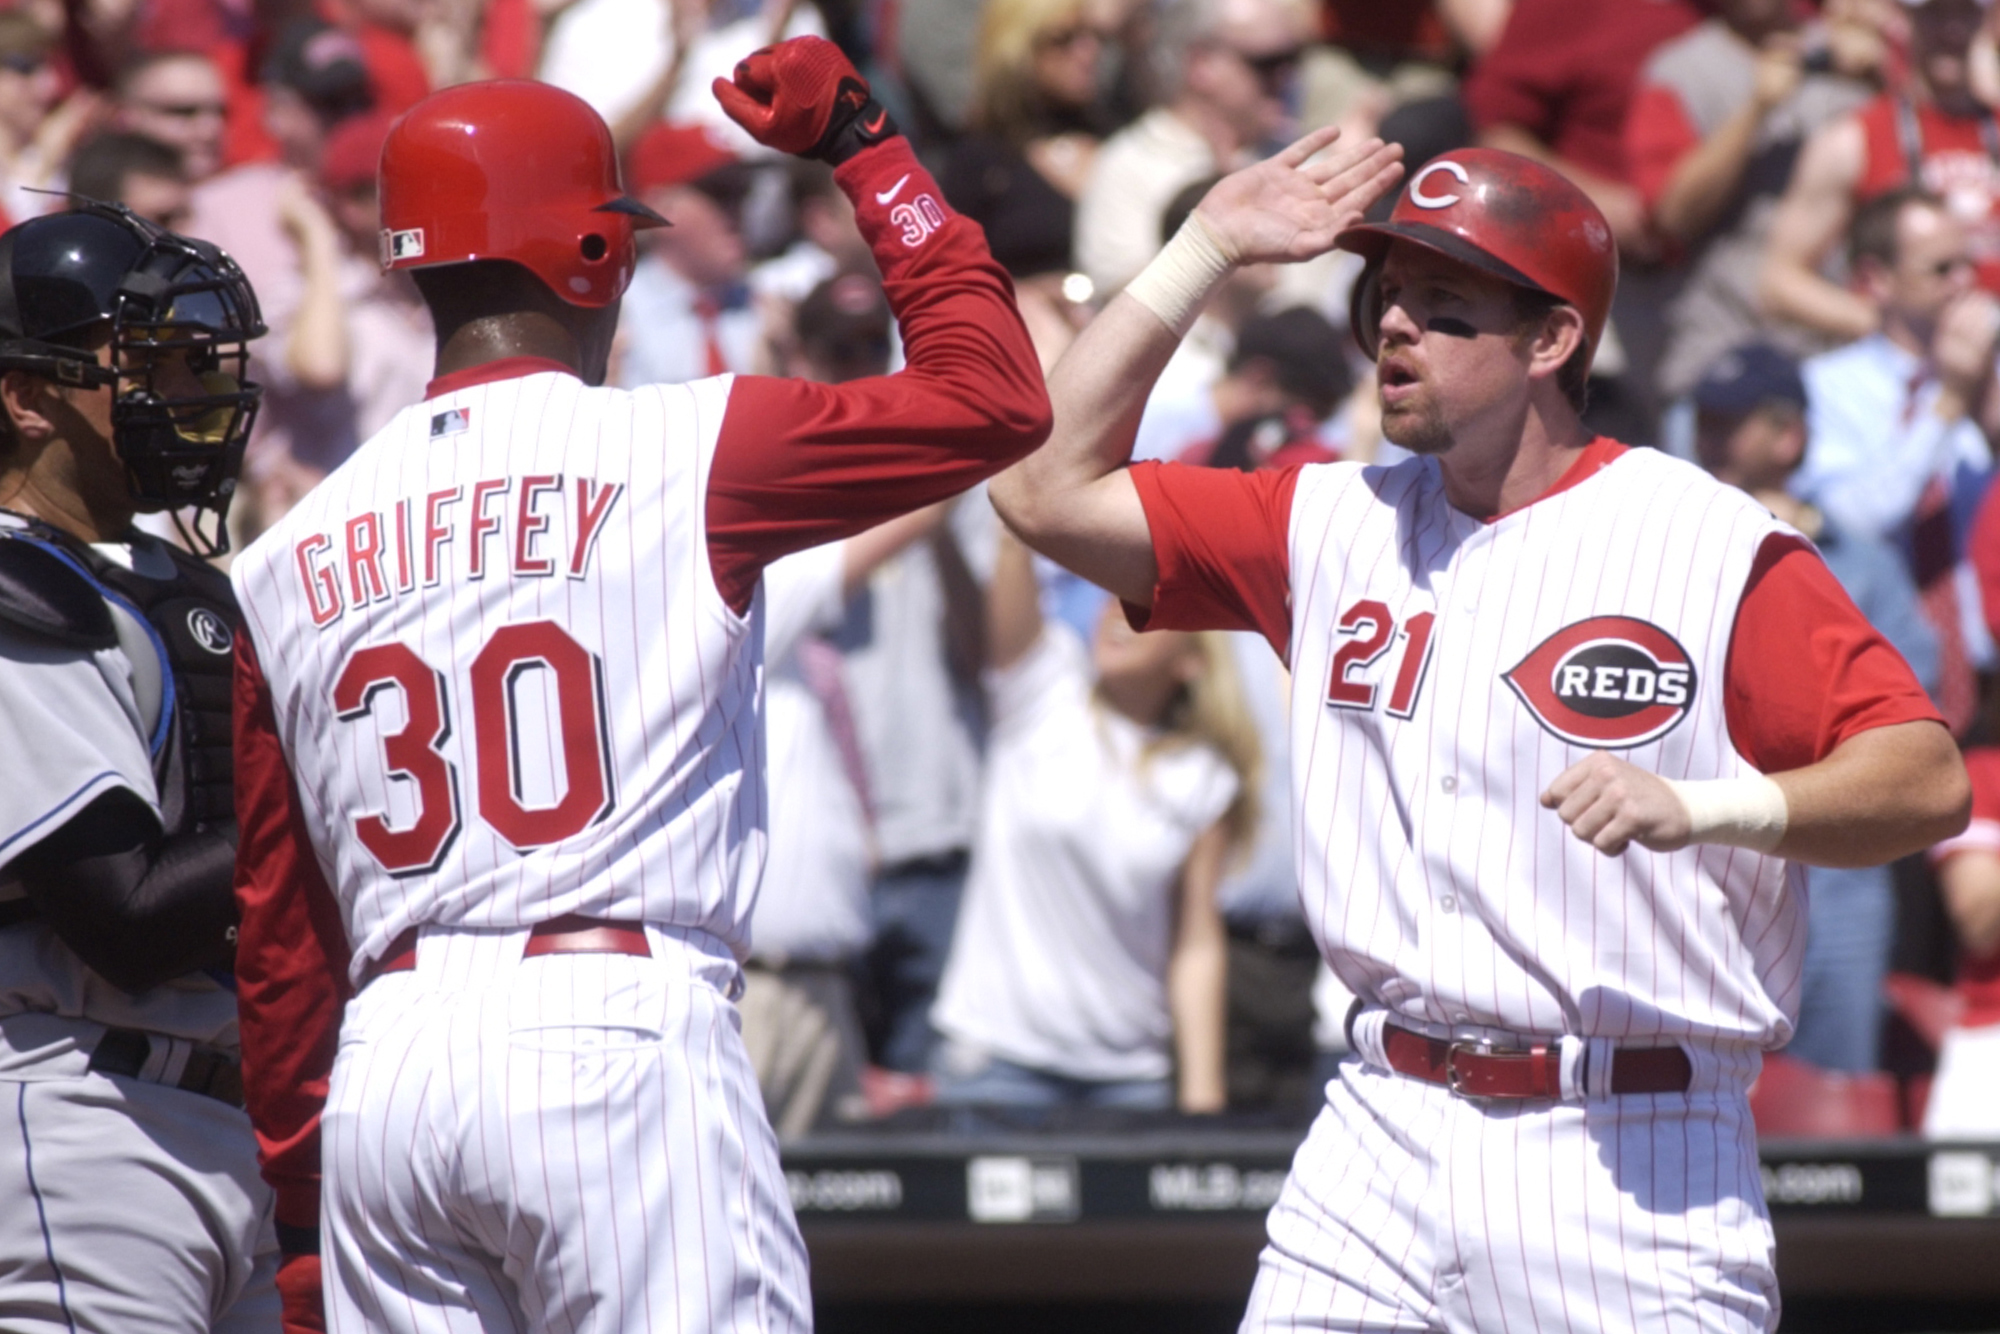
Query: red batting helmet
x=516 y=170
x=1502 y=213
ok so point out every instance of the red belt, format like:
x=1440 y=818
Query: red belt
x=561 y=935
x=1475 y=1072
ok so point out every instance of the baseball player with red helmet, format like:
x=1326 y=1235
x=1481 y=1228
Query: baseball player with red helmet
x=500 y=700
x=1568 y=718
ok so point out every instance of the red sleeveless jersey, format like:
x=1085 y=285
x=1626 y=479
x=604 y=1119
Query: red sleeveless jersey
x=1958 y=159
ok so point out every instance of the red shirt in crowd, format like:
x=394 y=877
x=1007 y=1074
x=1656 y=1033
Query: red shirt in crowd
x=1564 y=71
x=1960 y=164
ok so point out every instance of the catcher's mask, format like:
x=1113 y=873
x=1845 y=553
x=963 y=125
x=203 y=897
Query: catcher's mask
x=68 y=279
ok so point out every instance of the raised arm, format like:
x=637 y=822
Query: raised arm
x=1815 y=211
x=1013 y=605
x=1072 y=501
x=1198 y=979
x=799 y=463
x=1704 y=182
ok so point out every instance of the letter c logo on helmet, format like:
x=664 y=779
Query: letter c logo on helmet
x=1423 y=200
x=1525 y=223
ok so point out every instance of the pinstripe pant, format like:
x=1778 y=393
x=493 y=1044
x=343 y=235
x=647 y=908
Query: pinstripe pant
x=1409 y=1208
x=567 y=1143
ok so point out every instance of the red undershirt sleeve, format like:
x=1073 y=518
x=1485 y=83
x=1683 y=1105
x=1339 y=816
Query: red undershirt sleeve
x=1806 y=670
x=1222 y=540
x=1658 y=135
x=291 y=956
x=798 y=464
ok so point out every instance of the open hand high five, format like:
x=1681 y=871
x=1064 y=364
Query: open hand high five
x=1290 y=207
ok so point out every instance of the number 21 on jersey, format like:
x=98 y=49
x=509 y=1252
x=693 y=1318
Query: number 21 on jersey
x=415 y=754
x=1371 y=632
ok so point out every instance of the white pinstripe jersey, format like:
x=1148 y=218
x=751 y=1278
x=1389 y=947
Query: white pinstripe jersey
x=502 y=674
x=1445 y=671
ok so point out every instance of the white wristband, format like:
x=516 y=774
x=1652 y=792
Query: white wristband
x=1177 y=283
x=1748 y=812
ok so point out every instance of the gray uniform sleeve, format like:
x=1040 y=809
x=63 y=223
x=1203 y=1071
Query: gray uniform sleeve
x=70 y=730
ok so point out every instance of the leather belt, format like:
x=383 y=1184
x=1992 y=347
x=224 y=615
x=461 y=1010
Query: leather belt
x=570 y=934
x=212 y=1074
x=1482 y=1073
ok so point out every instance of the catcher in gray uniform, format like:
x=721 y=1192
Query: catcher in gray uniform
x=127 y=1166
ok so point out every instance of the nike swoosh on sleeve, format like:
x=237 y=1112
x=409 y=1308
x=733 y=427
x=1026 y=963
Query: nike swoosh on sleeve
x=888 y=195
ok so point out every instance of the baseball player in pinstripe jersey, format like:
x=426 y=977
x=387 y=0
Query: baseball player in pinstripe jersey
x=1567 y=719
x=501 y=746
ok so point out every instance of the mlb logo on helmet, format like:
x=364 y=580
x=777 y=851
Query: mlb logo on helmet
x=1610 y=683
x=405 y=244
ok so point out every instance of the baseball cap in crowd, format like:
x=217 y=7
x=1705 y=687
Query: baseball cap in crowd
x=843 y=324
x=324 y=65
x=675 y=154
x=1746 y=378
x=353 y=151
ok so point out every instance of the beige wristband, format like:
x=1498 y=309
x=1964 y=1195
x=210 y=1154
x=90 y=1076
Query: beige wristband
x=1748 y=812
x=1177 y=283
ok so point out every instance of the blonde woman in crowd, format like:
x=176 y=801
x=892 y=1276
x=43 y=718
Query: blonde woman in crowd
x=36 y=132
x=1035 y=123
x=1089 y=963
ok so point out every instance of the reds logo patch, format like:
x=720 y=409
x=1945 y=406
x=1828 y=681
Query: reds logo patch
x=1609 y=683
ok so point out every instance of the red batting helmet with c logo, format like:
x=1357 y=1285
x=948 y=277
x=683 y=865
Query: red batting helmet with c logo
x=1502 y=213
x=516 y=170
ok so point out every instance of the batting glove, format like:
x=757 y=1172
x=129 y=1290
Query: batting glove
x=299 y=1292
x=804 y=96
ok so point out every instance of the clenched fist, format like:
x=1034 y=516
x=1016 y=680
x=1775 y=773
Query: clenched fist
x=804 y=96
x=1610 y=804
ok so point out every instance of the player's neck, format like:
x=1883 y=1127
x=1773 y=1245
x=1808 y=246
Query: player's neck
x=34 y=492
x=1510 y=470
x=528 y=334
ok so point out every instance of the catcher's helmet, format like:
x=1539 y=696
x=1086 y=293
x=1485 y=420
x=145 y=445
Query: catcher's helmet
x=1505 y=214
x=70 y=281
x=515 y=170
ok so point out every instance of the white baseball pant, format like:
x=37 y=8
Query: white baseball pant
x=569 y=1143
x=1410 y=1208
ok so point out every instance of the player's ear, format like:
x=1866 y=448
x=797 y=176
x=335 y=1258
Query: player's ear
x=1560 y=335
x=25 y=399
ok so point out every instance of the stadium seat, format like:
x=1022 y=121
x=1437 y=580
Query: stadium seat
x=1794 y=1098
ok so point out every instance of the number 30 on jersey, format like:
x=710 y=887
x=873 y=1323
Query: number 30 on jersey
x=1371 y=631
x=415 y=754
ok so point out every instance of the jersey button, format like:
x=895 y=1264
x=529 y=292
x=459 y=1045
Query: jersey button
x=1448 y=783
x=1448 y=903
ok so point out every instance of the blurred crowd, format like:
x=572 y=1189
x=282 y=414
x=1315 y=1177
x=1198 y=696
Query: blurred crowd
x=1020 y=857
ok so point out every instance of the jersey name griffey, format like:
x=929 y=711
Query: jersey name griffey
x=1445 y=671
x=501 y=670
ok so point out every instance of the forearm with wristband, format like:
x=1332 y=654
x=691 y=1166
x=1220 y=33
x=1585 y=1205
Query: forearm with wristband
x=1180 y=279
x=1748 y=812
